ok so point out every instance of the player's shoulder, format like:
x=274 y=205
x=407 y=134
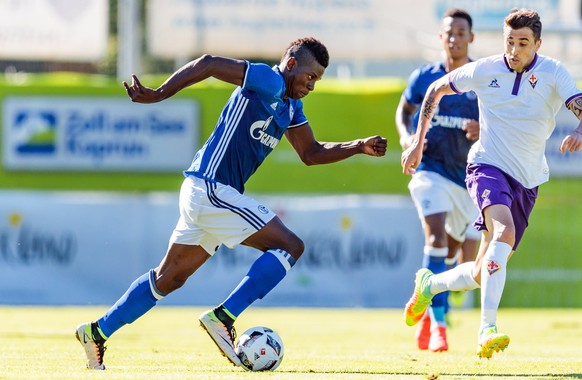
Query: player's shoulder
x=547 y=63
x=427 y=73
x=433 y=68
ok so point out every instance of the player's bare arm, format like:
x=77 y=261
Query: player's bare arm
x=404 y=121
x=225 y=69
x=412 y=156
x=573 y=142
x=313 y=152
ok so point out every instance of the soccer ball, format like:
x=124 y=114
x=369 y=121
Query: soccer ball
x=260 y=349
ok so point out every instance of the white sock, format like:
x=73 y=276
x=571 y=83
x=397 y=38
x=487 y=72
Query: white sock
x=458 y=278
x=493 y=273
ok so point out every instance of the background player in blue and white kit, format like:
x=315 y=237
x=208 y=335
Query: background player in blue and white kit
x=264 y=107
x=438 y=186
x=520 y=93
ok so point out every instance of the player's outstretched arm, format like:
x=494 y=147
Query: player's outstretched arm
x=412 y=156
x=226 y=69
x=313 y=152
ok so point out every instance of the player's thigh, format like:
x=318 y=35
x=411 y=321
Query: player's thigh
x=276 y=235
x=462 y=215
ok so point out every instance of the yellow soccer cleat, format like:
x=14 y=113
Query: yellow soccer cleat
x=421 y=298
x=491 y=341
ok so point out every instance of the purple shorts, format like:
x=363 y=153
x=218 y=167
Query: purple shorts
x=489 y=185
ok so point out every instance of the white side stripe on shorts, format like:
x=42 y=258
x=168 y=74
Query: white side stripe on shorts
x=246 y=214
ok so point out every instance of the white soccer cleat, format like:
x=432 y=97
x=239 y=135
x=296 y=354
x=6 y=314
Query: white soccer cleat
x=93 y=349
x=222 y=336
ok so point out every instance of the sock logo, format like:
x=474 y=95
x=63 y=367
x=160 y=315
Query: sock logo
x=492 y=267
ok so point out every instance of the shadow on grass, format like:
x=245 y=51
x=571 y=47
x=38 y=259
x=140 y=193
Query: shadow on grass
x=459 y=375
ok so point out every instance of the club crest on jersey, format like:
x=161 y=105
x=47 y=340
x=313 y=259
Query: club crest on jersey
x=533 y=80
x=494 y=83
x=492 y=267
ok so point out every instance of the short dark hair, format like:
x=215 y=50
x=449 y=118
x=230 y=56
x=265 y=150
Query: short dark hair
x=525 y=18
x=459 y=13
x=310 y=45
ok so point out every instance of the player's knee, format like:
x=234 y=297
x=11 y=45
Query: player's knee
x=505 y=235
x=167 y=284
x=296 y=248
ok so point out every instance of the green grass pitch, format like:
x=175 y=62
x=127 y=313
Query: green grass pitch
x=38 y=343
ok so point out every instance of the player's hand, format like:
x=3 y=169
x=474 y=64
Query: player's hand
x=139 y=93
x=406 y=142
x=375 y=146
x=572 y=142
x=411 y=157
x=472 y=130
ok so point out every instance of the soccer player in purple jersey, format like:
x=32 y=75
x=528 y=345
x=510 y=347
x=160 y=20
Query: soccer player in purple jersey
x=438 y=186
x=265 y=105
x=519 y=94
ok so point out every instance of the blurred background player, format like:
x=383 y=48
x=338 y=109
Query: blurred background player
x=520 y=93
x=213 y=210
x=438 y=186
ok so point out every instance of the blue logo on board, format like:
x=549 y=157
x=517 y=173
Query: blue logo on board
x=35 y=132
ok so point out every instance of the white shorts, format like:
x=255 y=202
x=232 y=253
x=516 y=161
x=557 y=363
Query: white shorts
x=433 y=194
x=212 y=214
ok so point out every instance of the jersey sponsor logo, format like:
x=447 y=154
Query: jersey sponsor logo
x=485 y=194
x=291 y=111
x=494 y=83
x=258 y=132
x=533 y=80
x=492 y=267
x=274 y=106
x=447 y=121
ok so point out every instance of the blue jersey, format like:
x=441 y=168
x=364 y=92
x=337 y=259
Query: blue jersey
x=250 y=126
x=447 y=147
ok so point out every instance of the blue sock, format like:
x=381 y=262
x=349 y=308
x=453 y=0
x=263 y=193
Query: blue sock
x=265 y=273
x=141 y=296
x=450 y=263
x=434 y=259
x=437 y=314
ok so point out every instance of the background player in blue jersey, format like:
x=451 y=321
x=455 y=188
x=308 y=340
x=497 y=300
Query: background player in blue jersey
x=438 y=186
x=520 y=92
x=213 y=209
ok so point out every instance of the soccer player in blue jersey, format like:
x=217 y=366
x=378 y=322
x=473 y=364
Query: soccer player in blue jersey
x=520 y=93
x=438 y=186
x=265 y=105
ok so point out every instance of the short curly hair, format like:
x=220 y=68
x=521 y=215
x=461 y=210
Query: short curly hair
x=311 y=45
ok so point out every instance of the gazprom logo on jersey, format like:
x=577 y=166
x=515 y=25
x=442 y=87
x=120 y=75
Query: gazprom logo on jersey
x=258 y=131
x=98 y=134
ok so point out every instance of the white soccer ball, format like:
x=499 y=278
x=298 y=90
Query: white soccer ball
x=260 y=349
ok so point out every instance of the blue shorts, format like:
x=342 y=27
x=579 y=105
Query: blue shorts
x=489 y=185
